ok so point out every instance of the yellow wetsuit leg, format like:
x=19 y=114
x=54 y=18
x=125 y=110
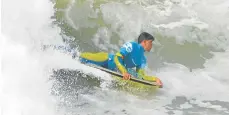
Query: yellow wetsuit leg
x=99 y=58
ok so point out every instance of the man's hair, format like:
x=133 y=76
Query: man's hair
x=145 y=36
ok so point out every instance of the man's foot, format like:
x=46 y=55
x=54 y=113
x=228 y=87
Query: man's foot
x=159 y=83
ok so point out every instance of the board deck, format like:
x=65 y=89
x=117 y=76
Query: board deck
x=120 y=75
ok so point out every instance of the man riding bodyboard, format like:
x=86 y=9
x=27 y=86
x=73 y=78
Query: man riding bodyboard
x=131 y=55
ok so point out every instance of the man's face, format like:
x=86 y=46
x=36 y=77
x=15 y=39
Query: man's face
x=147 y=45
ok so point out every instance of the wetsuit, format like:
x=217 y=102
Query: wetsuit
x=131 y=55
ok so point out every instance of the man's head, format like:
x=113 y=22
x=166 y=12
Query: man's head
x=145 y=39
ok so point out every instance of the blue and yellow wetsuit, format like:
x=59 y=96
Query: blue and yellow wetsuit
x=131 y=55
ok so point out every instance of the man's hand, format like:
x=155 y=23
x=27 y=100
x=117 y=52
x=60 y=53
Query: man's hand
x=126 y=76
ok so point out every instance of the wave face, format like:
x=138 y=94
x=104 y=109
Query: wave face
x=190 y=55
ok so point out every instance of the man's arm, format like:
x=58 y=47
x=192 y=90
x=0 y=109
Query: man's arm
x=141 y=72
x=119 y=57
x=149 y=78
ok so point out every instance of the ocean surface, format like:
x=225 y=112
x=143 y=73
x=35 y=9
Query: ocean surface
x=190 y=55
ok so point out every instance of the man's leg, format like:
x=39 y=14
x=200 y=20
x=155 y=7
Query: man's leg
x=99 y=59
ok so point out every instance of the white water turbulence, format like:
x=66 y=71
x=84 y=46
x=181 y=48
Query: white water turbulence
x=26 y=87
x=25 y=67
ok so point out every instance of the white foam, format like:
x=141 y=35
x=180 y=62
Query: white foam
x=209 y=83
x=25 y=78
x=25 y=88
x=184 y=22
x=201 y=21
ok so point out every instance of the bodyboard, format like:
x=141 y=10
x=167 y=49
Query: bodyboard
x=134 y=79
